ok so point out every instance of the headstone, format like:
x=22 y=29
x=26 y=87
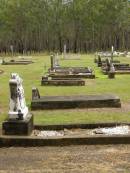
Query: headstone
x=65 y=51
x=111 y=73
x=65 y=2
x=57 y=60
x=18 y=108
x=20 y=121
x=108 y=63
x=52 y=62
x=112 y=52
x=12 y=50
x=99 y=61
x=35 y=93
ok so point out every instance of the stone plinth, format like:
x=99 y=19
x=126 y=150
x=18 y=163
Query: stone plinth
x=66 y=102
x=18 y=127
x=111 y=75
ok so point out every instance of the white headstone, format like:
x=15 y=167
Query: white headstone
x=17 y=106
x=65 y=2
x=112 y=49
x=64 y=50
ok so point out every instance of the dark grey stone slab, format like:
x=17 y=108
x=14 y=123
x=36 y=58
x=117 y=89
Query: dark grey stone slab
x=23 y=62
x=83 y=75
x=23 y=141
x=62 y=82
x=18 y=127
x=66 y=102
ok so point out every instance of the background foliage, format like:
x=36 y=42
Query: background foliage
x=46 y=25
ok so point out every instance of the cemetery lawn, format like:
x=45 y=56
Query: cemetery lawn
x=32 y=74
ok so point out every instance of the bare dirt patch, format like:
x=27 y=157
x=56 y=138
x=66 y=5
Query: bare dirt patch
x=73 y=159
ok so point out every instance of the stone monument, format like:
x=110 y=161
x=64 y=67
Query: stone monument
x=65 y=51
x=99 y=61
x=112 y=53
x=52 y=62
x=20 y=121
x=111 y=73
x=57 y=60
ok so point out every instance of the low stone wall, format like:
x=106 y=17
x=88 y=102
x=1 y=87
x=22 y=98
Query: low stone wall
x=32 y=141
x=78 y=126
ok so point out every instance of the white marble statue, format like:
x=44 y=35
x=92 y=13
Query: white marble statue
x=17 y=106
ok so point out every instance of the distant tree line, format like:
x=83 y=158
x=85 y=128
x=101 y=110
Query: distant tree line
x=46 y=25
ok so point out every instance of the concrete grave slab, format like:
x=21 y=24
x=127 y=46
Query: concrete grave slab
x=68 y=102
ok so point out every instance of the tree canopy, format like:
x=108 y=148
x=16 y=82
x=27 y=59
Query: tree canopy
x=46 y=25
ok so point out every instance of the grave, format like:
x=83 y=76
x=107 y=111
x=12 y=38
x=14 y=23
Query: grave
x=75 y=101
x=19 y=121
x=48 y=81
x=68 y=56
x=17 y=62
x=119 y=68
x=69 y=72
x=103 y=61
x=72 y=134
x=102 y=55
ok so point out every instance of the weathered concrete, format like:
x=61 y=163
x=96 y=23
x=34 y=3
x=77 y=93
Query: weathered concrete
x=82 y=75
x=18 y=127
x=119 y=68
x=67 y=140
x=111 y=75
x=73 y=70
x=64 y=141
x=66 y=102
x=78 y=126
x=21 y=62
x=62 y=82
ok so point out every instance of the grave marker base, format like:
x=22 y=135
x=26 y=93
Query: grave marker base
x=18 y=127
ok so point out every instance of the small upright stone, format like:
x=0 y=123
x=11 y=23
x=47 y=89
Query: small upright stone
x=108 y=64
x=99 y=61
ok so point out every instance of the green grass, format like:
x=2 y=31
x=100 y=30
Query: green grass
x=32 y=73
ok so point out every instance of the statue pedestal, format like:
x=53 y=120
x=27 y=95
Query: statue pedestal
x=18 y=127
x=111 y=75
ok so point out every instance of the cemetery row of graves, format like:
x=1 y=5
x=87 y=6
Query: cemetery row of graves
x=66 y=97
